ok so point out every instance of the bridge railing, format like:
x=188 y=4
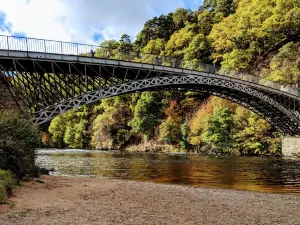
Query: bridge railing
x=13 y=43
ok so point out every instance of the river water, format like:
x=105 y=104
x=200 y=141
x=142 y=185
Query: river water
x=264 y=174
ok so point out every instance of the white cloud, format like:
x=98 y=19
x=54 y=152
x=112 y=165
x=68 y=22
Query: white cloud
x=38 y=18
x=79 y=20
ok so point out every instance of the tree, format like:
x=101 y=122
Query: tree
x=158 y=27
x=180 y=40
x=76 y=134
x=252 y=134
x=110 y=129
x=125 y=45
x=180 y=16
x=19 y=138
x=146 y=114
x=217 y=130
x=57 y=130
x=223 y=7
x=102 y=138
x=285 y=65
x=70 y=129
x=110 y=46
x=154 y=47
x=198 y=50
x=205 y=22
x=184 y=128
x=169 y=130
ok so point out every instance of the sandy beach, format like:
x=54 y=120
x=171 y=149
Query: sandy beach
x=66 y=200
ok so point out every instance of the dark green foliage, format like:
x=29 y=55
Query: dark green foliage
x=18 y=140
x=70 y=129
x=217 y=132
x=158 y=27
x=125 y=44
x=184 y=128
x=220 y=8
x=146 y=114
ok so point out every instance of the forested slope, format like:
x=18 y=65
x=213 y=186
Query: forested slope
x=255 y=36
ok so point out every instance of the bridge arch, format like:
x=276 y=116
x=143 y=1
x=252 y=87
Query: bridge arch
x=280 y=117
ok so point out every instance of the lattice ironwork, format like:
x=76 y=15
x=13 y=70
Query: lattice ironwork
x=193 y=83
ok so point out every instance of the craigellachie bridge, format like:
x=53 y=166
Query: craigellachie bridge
x=49 y=78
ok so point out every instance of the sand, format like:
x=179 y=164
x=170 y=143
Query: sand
x=66 y=200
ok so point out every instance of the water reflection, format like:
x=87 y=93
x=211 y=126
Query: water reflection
x=258 y=173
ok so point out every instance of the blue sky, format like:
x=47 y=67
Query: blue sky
x=86 y=21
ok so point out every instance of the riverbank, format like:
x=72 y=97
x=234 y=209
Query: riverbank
x=65 y=200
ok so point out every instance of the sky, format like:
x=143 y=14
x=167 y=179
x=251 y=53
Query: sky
x=83 y=21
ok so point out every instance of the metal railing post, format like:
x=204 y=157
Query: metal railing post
x=61 y=46
x=45 y=46
x=7 y=43
x=26 y=44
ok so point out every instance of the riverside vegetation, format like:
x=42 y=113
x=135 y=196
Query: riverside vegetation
x=257 y=37
x=18 y=140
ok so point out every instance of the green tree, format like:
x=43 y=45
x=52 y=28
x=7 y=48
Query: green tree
x=184 y=128
x=76 y=134
x=158 y=27
x=180 y=16
x=57 y=130
x=147 y=113
x=197 y=52
x=154 y=47
x=125 y=45
x=70 y=129
x=18 y=140
x=224 y=7
x=217 y=130
x=180 y=40
x=251 y=133
x=205 y=22
x=109 y=46
x=285 y=65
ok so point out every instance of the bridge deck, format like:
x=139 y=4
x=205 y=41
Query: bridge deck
x=57 y=50
x=144 y=68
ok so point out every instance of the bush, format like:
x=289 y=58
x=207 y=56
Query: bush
x=18 y=140
x=3 y=193
x=7 y=182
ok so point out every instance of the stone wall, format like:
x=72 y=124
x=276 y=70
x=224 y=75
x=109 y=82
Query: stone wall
x=290 y=146
x=7 y=101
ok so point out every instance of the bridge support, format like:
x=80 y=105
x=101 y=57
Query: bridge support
x=290 y=146
x=7 y=101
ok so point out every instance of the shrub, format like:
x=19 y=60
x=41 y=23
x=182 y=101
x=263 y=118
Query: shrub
x=7 y=182
x=18 y=139
x=3 y=193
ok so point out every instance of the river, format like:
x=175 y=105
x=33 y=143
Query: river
x=265 y=174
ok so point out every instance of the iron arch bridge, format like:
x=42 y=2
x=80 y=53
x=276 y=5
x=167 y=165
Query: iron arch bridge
x=49 y=78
